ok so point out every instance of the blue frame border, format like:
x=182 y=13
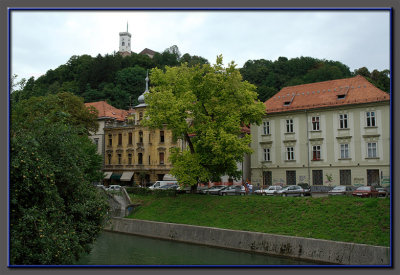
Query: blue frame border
x=177 y=9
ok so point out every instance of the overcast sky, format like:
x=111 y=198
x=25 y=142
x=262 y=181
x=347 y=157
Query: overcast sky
x=43 y=40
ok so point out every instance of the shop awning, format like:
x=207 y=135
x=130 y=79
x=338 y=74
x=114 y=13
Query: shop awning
x=116 y=176
x=107 y=175
x=126 y=176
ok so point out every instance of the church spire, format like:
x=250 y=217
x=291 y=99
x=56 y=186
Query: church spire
x=147 y=82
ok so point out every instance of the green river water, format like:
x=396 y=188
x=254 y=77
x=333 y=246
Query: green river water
x=122 y=249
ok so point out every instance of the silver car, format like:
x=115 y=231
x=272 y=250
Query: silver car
x=214 y=190
x=291 y=190
x=233 y=190
x=341 y=190
x=270 y=191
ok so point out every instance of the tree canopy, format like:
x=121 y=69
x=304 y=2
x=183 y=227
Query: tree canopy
x=55 y=211
x=271 y=76
x=120 y=80
x=206 y=106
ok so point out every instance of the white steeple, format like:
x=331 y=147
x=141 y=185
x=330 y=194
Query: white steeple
x=125 y=41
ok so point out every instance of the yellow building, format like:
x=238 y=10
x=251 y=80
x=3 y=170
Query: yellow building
x=134 y=153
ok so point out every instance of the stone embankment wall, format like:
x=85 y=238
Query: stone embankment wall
x=323 y=251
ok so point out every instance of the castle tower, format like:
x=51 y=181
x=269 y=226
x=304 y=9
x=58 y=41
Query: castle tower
x=125 y=41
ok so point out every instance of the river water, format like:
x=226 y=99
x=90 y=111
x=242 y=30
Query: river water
x=122 y=249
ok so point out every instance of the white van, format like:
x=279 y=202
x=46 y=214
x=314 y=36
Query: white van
x=160 y=183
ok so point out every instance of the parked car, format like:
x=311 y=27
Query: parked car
x=160 y=183
x=341 y=190
x=214 y=190
x=382 y=192
x=270 y=191
x=292 y=190
x=168 y=187
x=366 y=191
x=306 y=188
x=101 y=186
x=233 y=190
x=114 y=188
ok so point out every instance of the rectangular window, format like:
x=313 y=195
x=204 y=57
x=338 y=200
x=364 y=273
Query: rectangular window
x=266 y=128
x=141 y=137
x=161 y=157
x=317 y=177
x=140 y=158
x=290 y=177
x=345 y=177
x=96 y=141
x=343 y=121
x=289 y=153
x=119 y=158
x=110 y=140
x=129 y=159
x=373 y=177
x=289 y=126
x=315 y=123
x=267 y=178
x=372 y=150
x=316 y=150
x=129 y=138
x=344 y=151
x=371 y=119
x=109 y=158
x=267 y=156
x=161 y=136
x=119 y=139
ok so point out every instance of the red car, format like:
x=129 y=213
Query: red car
x=366 y=192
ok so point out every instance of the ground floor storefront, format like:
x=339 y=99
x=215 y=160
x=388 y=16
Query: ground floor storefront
x=322 y=176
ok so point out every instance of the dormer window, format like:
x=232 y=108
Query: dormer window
x=287 y=103
x=341 y=96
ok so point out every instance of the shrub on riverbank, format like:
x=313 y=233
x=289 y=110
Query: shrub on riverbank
x=344 y=219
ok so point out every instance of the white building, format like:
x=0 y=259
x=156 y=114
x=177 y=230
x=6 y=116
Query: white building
x=125 y=42
x=327 y=133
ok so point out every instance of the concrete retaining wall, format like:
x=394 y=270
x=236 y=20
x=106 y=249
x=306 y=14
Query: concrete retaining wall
x=295 y=247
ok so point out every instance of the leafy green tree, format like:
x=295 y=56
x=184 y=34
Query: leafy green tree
x=56 y=212
x=207 y=107
x=193 y=60
x=62 y=107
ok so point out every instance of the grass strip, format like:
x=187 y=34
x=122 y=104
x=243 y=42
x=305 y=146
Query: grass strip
x=346 y=219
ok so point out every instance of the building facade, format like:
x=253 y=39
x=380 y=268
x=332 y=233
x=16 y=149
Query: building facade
x=328 y=133
x=107 y=114
x=134 y=153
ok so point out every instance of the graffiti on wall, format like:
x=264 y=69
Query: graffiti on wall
x=358 y=181
x=329 y=179
x=302 y=179
x=278 y=181
x=385 y=181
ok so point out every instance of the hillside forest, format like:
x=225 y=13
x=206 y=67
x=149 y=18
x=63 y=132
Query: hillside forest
x=120 y=80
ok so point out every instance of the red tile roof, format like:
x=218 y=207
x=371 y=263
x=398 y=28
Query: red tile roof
x=355 y=90
x=106 y=110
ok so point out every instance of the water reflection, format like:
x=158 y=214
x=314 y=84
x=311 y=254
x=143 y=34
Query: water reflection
x=121 y=249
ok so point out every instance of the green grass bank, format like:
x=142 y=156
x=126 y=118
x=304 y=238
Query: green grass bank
x=346 y=219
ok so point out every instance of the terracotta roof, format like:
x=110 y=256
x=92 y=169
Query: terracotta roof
x=106 y=110
x=330 y=93
x=148 y=52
